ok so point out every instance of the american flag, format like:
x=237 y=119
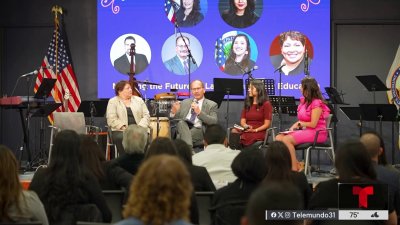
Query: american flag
x=220 y=54
x=66 y=87
x=170 y=9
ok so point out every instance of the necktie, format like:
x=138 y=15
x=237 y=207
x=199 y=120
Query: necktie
x=193 y=116
x=186 y=66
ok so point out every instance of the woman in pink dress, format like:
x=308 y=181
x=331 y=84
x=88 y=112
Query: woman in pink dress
x=256 y=114
x=311 y=114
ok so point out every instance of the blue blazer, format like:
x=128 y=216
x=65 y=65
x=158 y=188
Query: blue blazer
x=175 y=66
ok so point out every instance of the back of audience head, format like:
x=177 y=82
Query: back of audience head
x=65 y=151
x=273 y=196
x=91 y=156
x=352 y=160
x=10 y=187
x=161 y=145
x=160 y=192
x=134 y=139
x=184 y=151
x=215 y=134
x=375 y=146
x=249 y=166
x=278 y=162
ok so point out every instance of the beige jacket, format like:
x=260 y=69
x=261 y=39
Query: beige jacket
x=117 y=115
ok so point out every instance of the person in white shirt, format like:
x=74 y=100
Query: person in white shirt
x=216 y=157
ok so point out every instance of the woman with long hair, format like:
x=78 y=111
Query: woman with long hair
x=66 y=186
x=189 y=14
x=256 y=114
x=279 y=169
x=109 y=175
x=239 y=61
x=241 y=13
x=311 y=113
x=159 y=194
x=16 y=204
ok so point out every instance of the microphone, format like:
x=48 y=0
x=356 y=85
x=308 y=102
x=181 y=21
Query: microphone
x=280 y=68
x=30 y=73
x=195 y=101
x=133 y=46
x=251 y=70
x=306 y=67
x=36 y=71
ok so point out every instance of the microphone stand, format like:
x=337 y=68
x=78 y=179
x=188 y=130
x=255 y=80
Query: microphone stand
x=190 y=56
x=280 y=101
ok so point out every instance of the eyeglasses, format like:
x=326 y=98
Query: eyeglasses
x=181 y=46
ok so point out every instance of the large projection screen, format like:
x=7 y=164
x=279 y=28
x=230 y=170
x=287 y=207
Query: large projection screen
x=276 y=32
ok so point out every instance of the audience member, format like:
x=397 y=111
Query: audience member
x=228 y=203
x=273 y=196
x=372 y=142
x=109 y=175
x=279 y=169
x=159 y=194
x=68 y=191
x=200 y=178
x=16 y=204
x=312 y=113
x=353 y=165
x=216 y=157
x=161 y=145
x=164 y=146
x=134 y=142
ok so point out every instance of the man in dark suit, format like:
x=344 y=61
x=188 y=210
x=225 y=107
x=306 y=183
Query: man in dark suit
x=179 y=64
x=194 y=114
x=123 y=63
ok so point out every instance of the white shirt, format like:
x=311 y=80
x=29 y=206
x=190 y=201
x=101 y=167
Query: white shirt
x=197 y=122
x=217 y=159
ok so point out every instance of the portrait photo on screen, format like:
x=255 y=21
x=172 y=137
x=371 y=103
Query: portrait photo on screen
x=185 y=13
x=235 y=53
x=293 y=50
x=175 y=53
x=121 y=53
x=240 y=13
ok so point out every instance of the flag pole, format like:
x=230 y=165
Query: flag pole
x=57 y=10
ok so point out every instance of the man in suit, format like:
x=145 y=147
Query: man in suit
x=194 y=114
x=179 y=64
x=123 y=63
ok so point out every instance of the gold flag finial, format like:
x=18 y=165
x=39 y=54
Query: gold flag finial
x=56 y=10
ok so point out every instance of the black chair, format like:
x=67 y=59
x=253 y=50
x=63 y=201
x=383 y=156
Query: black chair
x=203 y=199
x=228 y=213
x=115 y=200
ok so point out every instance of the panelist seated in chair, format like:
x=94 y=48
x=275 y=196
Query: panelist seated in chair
x=125 y=109
x=256 y=116
x=311 y=113
x=194 y=114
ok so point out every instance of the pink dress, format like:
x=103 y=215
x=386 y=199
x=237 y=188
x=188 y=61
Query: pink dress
x=255 y=117
x=304 y=114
